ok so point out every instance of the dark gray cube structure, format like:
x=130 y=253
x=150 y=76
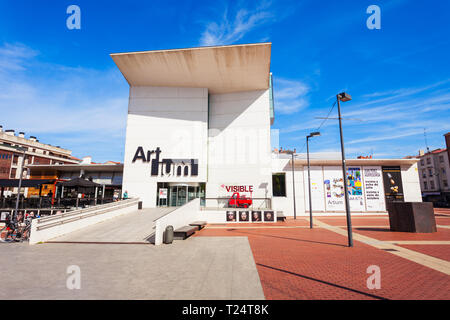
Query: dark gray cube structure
x=412 y=217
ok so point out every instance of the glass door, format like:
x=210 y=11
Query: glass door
x=181 y=196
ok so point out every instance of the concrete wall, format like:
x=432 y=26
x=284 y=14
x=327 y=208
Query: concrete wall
x=73 y=223
x=173 y=119
x=239 y=143
x=180 y=217
x=410 y=180
x=286 y=204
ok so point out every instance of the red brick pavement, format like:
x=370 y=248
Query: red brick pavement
x=299 y=263
x=434 y=250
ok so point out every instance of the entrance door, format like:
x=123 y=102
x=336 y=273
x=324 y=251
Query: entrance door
x=178 y=196
x=182 y=193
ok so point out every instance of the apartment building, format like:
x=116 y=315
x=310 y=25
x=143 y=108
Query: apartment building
x=13 y=149
x=434 y=174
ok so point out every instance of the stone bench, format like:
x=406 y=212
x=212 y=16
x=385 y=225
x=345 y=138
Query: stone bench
x=184 y=232
x=199 y=224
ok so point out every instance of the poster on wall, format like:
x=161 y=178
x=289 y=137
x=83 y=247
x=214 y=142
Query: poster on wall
x=231 y=216
x=373 y=190
x=317 y=188
x=355 y=189
x=269 y=216
x=334 y=188
x=393 y=187
x=244 y=216
x=256 y=216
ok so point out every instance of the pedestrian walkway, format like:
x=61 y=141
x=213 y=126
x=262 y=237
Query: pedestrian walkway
x=295 y=262
x=135 y=227
x=199 y=269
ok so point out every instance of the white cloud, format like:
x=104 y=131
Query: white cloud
x=15 y=56
x=232 y=28
x=61 y=101
x=290 y=96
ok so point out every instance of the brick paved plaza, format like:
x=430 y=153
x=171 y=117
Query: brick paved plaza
x=295 y=262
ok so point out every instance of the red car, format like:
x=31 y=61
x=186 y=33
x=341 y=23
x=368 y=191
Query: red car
x=238 y=201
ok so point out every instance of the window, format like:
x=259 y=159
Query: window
x=441 y=158
x=432 y=184
x=422 y=162
x=428 y=160
x=279 y=184
x=430 y=172
x=425 y=185
x=424 y=173
x=15 y=159
x=13 y=173
x=443 y=171
x=445 y=183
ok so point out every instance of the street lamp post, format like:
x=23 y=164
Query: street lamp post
x=345 y=97
x=313 y=134
x=293 y=184
x=14 y=217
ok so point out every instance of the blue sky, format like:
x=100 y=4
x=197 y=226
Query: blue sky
x=61 y=85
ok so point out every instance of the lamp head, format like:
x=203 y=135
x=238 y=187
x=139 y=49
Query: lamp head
x=343 y=96
x=314 y=134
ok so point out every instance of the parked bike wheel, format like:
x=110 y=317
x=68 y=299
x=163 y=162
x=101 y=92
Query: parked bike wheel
x=4 y=234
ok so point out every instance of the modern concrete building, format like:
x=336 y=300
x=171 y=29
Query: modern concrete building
x=198 y=122
x=199 y=126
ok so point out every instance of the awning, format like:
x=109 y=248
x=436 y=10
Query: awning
x=79 y=182
x=26 y=183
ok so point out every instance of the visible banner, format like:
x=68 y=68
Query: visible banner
x=393 y=187
x=316 y=189
x=334 y=188
x=355 y=189
x=373 y=190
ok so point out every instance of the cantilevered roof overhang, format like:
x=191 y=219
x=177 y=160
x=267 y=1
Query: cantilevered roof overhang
x=221 y=69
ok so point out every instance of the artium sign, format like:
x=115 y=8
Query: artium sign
x=169 y=167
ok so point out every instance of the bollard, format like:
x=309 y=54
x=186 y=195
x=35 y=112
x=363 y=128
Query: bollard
x=168 y=235
x=140 y=205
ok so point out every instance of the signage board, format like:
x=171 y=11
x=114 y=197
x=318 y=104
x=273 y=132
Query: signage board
x=355 y=189
x=163 y=193
x=334 y=189
x=317 y=188
x=373 y=189
x=392 y=181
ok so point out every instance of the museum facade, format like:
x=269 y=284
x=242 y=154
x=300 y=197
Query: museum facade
x=198 y=126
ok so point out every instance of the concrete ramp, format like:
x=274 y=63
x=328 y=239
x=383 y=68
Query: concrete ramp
x=134 y=227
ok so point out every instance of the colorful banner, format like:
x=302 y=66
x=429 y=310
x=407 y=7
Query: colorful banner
x=373 y=190
x=354 y=188
x=334 y=188
x=393 y=187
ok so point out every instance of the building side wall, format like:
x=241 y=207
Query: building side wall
x=173 y=119
x=239 y=151
x=286 y=204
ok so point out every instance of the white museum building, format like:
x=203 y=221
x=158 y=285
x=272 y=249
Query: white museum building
x=199 y=124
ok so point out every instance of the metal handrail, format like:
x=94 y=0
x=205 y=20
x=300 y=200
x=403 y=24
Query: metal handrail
x=79 y=211
x=82 y=213
x=266 y=200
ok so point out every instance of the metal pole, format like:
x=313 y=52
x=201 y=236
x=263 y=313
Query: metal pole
x=20 y=186
x=344 y=173
x=309 y=186
x=293 y=185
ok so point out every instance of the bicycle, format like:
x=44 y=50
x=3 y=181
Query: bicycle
x=13 y=232
x=6 y=233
